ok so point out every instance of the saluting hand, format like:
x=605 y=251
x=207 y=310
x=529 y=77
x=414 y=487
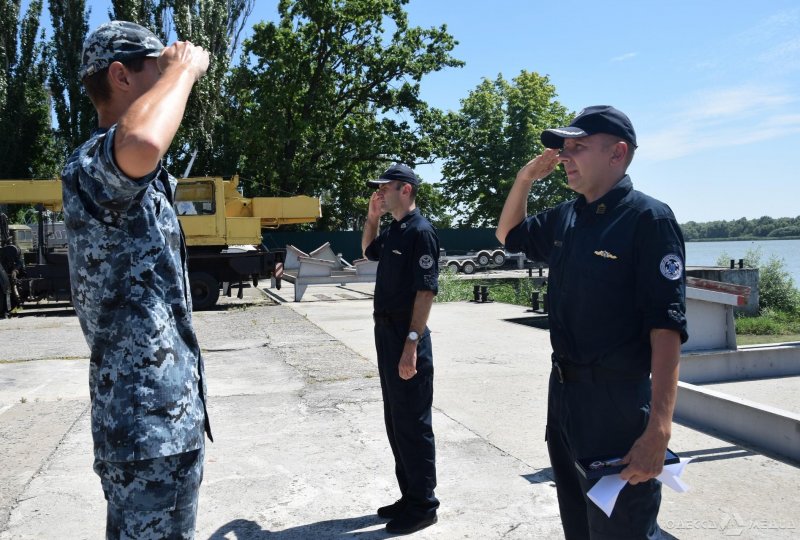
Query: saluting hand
x=186 y=55
x=540 y=166
x=374 y=210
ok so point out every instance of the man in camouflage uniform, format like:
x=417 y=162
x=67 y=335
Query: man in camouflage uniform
x=130 y=285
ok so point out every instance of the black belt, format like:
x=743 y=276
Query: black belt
x=389 y=317
x=565 y=372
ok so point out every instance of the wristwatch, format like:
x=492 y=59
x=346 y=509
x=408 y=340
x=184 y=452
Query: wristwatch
x=412 y=336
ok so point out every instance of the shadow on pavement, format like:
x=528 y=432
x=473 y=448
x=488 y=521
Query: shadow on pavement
x=245 y=529
x=714 y=454
x=542 y=476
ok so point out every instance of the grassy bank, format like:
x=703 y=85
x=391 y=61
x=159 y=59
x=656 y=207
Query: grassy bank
x=769 y=327
x=509 y=291
x=751 y=339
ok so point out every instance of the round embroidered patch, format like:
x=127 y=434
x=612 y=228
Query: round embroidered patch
x=671 y=267
x=426 y=262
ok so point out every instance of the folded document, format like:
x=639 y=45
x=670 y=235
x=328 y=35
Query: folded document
x=605 y=492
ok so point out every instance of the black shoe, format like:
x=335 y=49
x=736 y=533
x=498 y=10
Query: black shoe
x=393 y=510
x=407 y=524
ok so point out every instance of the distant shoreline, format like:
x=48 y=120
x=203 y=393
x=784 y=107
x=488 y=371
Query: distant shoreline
x=744 y=239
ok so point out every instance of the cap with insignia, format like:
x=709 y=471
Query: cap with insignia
x=590 y=121
x=117 y=41
x=399 y=172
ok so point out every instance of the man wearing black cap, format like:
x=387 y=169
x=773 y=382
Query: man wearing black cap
x=407 y=280
x=616 y=289
x=130 y=286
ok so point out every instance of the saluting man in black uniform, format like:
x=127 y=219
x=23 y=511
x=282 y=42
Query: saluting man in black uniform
x=617 y=314
x=407 y=280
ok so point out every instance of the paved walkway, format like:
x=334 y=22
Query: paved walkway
x=301 y=453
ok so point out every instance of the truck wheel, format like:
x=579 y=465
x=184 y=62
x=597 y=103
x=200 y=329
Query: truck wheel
x=468 y=267
x=453 y=266
x=205 y=290
x=499 y=258
x=484 y=258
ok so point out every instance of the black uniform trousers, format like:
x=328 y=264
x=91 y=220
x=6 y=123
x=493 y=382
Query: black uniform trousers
x=407 y=415
x=588 y=419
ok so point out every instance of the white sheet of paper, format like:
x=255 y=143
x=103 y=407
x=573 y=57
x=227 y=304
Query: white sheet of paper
x=605 y=492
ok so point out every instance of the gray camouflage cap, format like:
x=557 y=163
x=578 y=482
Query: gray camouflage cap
x=117 y=41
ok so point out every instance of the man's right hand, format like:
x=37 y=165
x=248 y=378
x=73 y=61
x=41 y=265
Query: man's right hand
x=374 y=211
x=540 y=166
x=516 y=206
x=184 y=54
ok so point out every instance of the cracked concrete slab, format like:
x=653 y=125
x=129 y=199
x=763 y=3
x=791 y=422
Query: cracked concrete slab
x=300 y=449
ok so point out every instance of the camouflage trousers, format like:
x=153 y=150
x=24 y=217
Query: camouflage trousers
x=152 y=498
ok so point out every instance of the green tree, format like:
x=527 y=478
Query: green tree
x=763 y=227
x=328 y=96
x=491 y=137
x=148 y=13
x=433 y=204
x=74 y=112
x=776 y=290
x=216 y=25
x=691 y=231
x=26 y=142
x=782 y=232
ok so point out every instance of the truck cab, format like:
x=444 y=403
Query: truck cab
x=22 y=237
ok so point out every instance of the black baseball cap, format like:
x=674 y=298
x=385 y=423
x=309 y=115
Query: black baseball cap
x=399 y=172
x=592 y=120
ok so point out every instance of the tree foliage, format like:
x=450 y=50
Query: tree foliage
x=74 y=112
x=776 y=288
x=216 y=25
x=328 y=96
x=491 y=137
x=743 y=228
x=27 y=148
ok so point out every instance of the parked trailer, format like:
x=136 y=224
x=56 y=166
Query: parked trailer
x=473 y=260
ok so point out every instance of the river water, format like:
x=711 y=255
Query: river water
x=707 y=253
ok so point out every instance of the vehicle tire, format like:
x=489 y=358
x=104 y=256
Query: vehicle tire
x=468 y=267
x=484 y=258
x=205 y=290
x=453 y=267
x=499 y=258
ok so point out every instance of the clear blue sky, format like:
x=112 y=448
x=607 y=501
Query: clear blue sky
x=712 y=87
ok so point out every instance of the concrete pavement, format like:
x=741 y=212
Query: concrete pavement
x=300 y=450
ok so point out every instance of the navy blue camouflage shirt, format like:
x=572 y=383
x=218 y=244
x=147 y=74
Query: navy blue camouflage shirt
x=127 y=260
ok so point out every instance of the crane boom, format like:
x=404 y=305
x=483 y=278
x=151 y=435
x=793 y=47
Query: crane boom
x=44 y=192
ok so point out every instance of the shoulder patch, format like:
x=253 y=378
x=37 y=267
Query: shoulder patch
x=426 y=262
x=671 y=266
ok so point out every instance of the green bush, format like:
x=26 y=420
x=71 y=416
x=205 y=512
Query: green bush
x=452 y=289
x=770 y=322
x=776 y=288
x=518 y=292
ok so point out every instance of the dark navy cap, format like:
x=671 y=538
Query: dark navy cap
x=117 y=41
x=399 y=172
x=590 y=121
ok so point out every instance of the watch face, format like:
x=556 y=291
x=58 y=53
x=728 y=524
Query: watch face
x=413 y=336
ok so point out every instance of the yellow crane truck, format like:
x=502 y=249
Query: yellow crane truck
x=222 y=229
